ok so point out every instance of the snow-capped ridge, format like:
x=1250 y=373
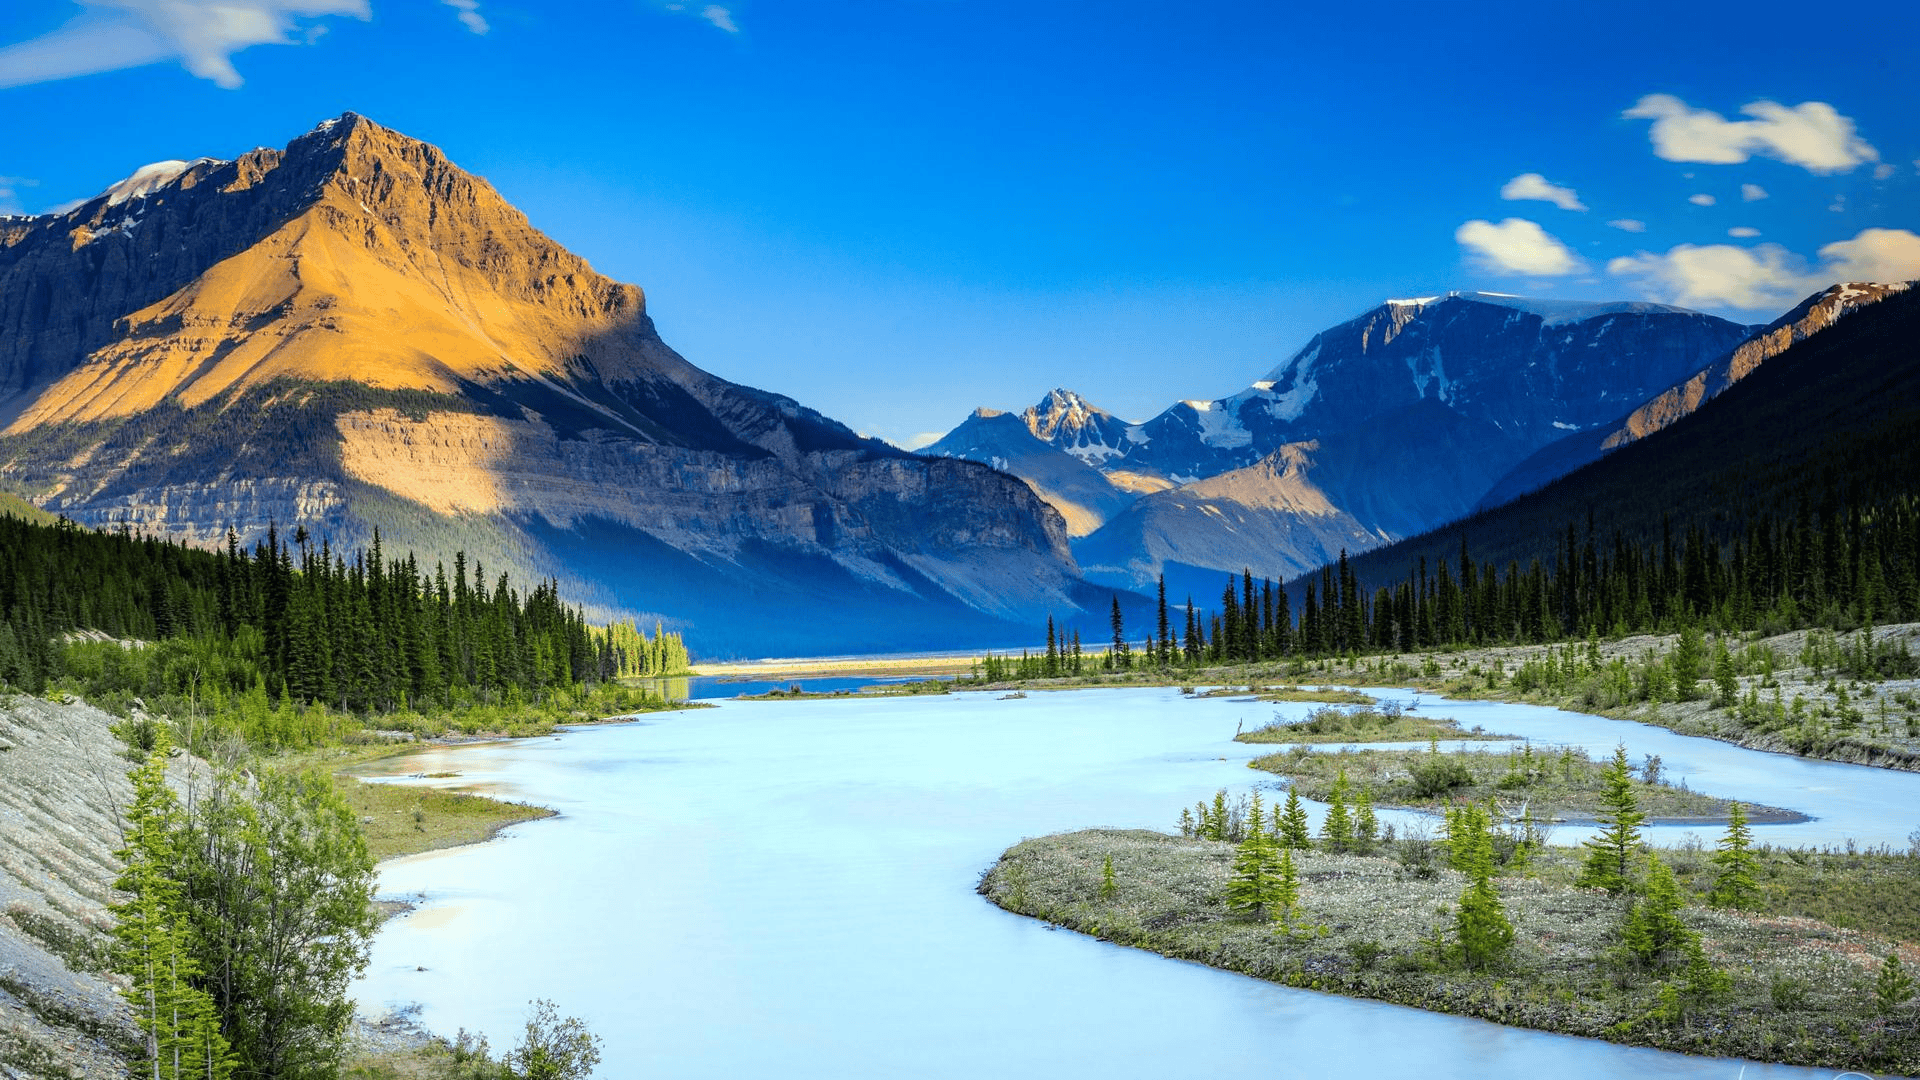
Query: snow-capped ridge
x=148 y=179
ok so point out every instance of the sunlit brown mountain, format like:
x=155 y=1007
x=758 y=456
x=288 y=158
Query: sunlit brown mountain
x=354 y=334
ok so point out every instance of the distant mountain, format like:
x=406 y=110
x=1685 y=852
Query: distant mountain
x=1399 y=420
x=1828 y=426
x=354 y=334
x=1562 y=456
x=1085 y=497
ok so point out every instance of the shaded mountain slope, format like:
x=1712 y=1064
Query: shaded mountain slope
x=1832 y=420
x=1812 y=315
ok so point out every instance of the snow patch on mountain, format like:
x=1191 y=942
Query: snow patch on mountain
x=1558 y=312
x=148 y=179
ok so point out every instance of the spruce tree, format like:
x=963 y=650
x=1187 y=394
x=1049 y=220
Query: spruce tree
x=1653 y=934
x=1610 y=854
x=1894 y=987
x=1252 y=885
x=1286 y=891
x=1291 y=830
x=1336 y=829
x=1366 y=829
x=153 y=939
x=1480 y=919
x=1733 y=884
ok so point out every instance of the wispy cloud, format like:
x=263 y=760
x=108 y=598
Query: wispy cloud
x=1517 y=246
x=1884 y=170
x=1812 y=134
x=10 y=193
x=203 y=35
x=1627 y=224
x=1701 y=200
x=1743 y=232
x=1535 y=186
x=1752 y=193
x=720 y=17
x=469 y=14
x=1768 y=275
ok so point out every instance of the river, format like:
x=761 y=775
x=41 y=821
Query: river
x=785 y=889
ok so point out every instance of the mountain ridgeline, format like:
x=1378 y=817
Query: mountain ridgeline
x=1788 y=500
x=354 y=334
x=1380 y=428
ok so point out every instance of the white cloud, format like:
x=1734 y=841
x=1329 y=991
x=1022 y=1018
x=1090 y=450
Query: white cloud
x=1534 y=186
x=920 y=439
x=1874 y=255
x=1752 y=193
x=1517 y=246
x=1627 y=224
x=202 y=35
x=721 y=18
x=10 y=193
x=1839 y=204
x=1883 y=170
x=1701 y=200
x=1768 y=275
x=1718 y=275
x=1744 y=232
x=469 y=14
x=1812 y=134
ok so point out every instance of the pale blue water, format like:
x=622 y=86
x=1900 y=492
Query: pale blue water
x=785 y=889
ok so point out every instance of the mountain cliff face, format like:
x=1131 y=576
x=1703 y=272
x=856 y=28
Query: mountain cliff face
x=352 y=333
x=1812 y=315
x=1398 y=420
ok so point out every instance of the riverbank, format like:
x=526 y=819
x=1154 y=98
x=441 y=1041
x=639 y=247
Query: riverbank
x=1388 y=724
x=1811 y=693
x=1802 y=991
x=1555 y=785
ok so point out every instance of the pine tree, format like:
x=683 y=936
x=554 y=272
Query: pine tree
x=1365 y=828
x=1480 y=919
x=1610 y=854
x=153 y=938
x=1286 y=891
x=1653 y=933
x=1108 y=887
x=1733 y=885
x=1725 y=687
x=1252 y=885
x=1336 y=829
x=1894 y=987
x=1291 y=830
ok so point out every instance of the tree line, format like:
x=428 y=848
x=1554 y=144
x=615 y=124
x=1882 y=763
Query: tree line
x=368 y=633
x=1846 y=567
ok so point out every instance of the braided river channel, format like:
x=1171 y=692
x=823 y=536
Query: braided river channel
x=786 y=889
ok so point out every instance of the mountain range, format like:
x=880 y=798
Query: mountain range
x=352 y=337
x=1379 y=428
x=353 y=334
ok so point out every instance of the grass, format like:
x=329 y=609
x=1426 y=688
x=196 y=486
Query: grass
x=1801 y=993
x=1328 y=695
x=1329 y=725
x=404 y=820
x=1563 y=783
x=795 y=692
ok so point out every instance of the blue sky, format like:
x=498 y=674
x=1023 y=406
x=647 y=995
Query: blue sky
x=896 y=210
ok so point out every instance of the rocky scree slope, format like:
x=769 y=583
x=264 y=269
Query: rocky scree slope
x=62 y=773
x=353 y=333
